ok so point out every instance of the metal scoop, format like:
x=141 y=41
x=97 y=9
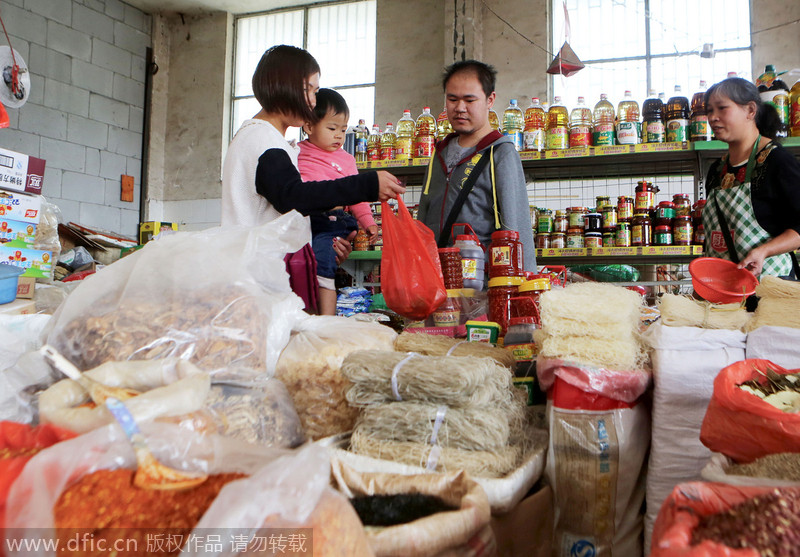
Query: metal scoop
x=97 y=391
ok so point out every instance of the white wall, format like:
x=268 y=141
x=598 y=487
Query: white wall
x=85 y=111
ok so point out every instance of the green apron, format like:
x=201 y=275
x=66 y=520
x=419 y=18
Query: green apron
x=736 y=205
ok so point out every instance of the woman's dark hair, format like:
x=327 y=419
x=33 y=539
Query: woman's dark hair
x=743 y=92
x=329 y=100
x=485 y=73
x=279 y=81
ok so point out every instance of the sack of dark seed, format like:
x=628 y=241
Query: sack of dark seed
x=701 y=519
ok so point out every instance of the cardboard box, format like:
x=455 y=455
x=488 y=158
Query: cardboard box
x=149 y=229
x=25 y=288
x=20 y=172
x=18 y=307
x=21 y=207
x=527 y=529
x=17 y=234
x=37 y=263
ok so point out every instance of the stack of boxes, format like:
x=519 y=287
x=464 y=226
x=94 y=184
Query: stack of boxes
x=20 y=209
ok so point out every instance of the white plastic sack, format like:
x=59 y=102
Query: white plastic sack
x=216 y=297
x=777 y=344
x=168 y=387
x=19 y=334
x=30 y=372
x=685 y=362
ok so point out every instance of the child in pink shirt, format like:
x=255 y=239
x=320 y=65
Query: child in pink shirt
x=322 y=158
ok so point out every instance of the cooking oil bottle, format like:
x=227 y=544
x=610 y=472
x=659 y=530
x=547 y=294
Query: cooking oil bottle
x=424 y=134
x=405 y=136
x=514 y=123
x=580 y=125
x=494 y=121
x=388 y=140
x=653 y=130
x=557 y=126
x=362 y=134
x=533 y=135
x=698 y=127
x=628 y=125
x=677 y=115
x=443 y=127
x=603 y=131
x=374 y=144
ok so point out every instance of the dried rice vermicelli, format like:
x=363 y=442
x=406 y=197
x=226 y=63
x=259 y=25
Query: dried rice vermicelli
x=487 y=464
x=615 y=354
x=461 y=428
x=438 y=345
x=779 y=305
x=683 y=311
x=591 y=309
x=454 y=381
x=774 y=287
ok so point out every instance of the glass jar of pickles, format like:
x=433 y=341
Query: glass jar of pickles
x=683 y=206
x=544 y=222
x=575 y=217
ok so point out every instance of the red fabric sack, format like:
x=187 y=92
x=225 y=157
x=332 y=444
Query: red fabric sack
x=741 y=425
x=681 y=513
x=18 y=443
x=411 y=281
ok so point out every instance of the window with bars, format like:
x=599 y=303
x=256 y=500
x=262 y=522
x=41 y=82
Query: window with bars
x=639 y=45
x=341 y=36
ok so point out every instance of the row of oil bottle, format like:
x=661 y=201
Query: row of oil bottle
x=542 y=127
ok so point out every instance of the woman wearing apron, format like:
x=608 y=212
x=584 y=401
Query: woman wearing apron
x=752 y=215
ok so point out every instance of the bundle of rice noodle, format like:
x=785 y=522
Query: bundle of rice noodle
x=486 y=464
x=454 y=381
x=438 y=345
x=778 y=304
x=482 y=429
x=592 y=323
x=684 y=311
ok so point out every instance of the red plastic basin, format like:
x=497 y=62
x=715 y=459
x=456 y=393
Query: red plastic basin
x=720 y=281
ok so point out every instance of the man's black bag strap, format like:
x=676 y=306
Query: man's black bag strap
x=444 y=235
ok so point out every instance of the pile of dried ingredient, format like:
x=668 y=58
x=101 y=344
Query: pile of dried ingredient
x=768 y=523
x=780 y=466
x=401 y=508
x=106 y=506
x=780 y=390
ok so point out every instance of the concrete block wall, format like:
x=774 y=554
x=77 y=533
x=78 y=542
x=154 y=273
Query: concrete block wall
x=85 y=112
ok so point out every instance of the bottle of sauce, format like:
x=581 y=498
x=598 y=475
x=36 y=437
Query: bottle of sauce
x=653 y=130
x=699 y=129
x=677 y=115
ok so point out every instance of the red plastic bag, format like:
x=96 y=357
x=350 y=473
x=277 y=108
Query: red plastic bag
x=741 y=425
x=681 y=512
x=412 y=282
x=18 y=443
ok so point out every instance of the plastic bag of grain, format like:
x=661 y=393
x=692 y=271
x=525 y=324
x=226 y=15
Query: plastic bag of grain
x=310 y=367
x=595 y=463
x=685 y=362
